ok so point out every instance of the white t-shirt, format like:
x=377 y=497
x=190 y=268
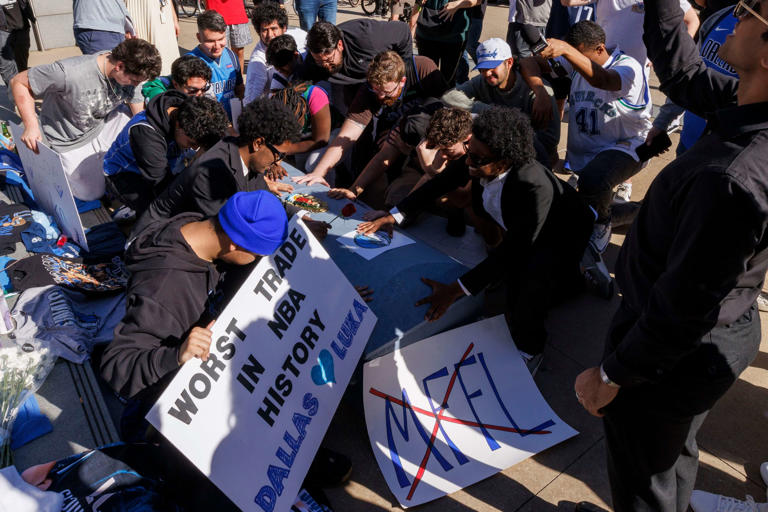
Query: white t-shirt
x=622 y=21
x=258 y=70
x=599 y=120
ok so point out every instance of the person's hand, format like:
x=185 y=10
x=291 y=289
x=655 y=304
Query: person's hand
x=275 y=172
x=197 y=344
x=278 y=187
x=311 y=179
x=450 y=9
x=318 y=228
x=541 y=113
x=443 y=295
x=370 y=227
x=555 y=48
x=30 y=137
x=394 y=139
x=342 y=193
x=592 y=393
x=652 y=134
x=365 y=293
x=130 y=35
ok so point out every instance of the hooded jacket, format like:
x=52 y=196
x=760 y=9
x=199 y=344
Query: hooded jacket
x=147 y=145
x=168 y=291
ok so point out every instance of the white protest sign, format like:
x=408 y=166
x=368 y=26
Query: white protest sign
x=49 y=184
x=453 y=409
x=252 y=417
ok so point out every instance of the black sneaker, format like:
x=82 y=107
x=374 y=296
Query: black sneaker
x=329 y=469
x=586 y=506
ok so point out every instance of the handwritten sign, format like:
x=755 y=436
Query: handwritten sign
x=252 y=416
x=48 y=181
x=453 y=409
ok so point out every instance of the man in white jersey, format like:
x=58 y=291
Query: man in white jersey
x=609 y=116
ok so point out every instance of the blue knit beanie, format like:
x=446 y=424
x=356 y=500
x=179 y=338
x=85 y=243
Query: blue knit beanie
x=255 y=221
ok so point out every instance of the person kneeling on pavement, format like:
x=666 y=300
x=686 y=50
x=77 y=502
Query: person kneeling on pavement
x=173 y=299
x=544 y=227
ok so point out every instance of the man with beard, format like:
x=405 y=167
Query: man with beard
x=545 y=226
x=393 y=90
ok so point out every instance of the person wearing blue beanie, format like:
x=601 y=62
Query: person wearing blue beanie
x=255 y=221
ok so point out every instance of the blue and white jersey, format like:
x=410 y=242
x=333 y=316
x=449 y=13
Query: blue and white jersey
x=600 y=120
x=225 y=75
x=723 y=23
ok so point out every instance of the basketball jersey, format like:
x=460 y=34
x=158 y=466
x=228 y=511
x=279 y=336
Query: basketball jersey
x=600 y=120
x=224 y=73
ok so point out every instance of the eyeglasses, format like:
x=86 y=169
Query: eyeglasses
x=278 y=155
x=479 y=161
x=326 y=56
x=194 y=90
x=749 y=6
x=392 y=93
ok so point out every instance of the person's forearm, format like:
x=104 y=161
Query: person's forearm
x=332 y=156
x=531 y=72
x=466 y=4
x=303 y=146
x=136 y=108
x=575 y=3
x=24 y=100
x=595 y=74
x=692 y=22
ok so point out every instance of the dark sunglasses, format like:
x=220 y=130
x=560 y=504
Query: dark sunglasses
x=479 y=161
x=752 y=7
x=195 y=90
x=277 y=155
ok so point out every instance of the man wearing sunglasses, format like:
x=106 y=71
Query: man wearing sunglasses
x=189 y=74
x=234 y=164
x=690 y=268
x=545 y=227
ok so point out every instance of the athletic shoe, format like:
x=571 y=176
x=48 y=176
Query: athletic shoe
x=596 y=275
x=762 y=305
x=586 y=506
x=623 y=193
x=329 y=469
x=532 y=362
x=707 y=502
x=123 y=214
x=601 y=237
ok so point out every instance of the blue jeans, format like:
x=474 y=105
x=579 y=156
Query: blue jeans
x=311 y=10
x=95 y=41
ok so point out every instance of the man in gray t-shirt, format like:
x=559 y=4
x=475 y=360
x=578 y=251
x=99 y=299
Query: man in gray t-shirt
x=500 y=84
x=80 y=114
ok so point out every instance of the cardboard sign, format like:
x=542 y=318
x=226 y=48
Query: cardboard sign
x=252 y=417
x=453 y=409
x=49 y=184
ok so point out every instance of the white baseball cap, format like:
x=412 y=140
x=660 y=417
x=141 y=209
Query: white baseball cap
x=492 y=52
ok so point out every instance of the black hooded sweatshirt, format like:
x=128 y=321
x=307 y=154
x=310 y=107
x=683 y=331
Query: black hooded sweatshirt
x=168 y=295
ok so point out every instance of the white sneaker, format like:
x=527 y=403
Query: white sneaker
x=707 y=502
x=762 y=305
x=623 y=193
x=596 y=275
x=601 y=237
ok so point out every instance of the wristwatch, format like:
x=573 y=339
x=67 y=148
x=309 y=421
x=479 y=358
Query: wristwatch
x=606 y=379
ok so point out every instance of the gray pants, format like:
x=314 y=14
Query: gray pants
x=600 y=175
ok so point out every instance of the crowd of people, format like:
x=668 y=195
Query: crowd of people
x=152 y=135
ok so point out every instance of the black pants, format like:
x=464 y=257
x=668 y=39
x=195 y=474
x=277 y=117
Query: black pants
x=445 y=55
x=651 y=428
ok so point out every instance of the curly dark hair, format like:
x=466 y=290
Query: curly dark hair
x=189 y=66
x=448 y=126
x=267 y=118
x=267 y=12
x=281 y=50
x=139 y=57
x=508 y=134
x=291 y=97
x=323 y=37
x=211 y=20
x=585 y=32
x=203 y=120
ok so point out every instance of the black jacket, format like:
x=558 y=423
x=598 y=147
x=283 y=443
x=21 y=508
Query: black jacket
x=16 y=16
x=167 y=295
x=541 y=213
x=150 y=144
x=205 y=185
x=697 y=253
x=364 y=38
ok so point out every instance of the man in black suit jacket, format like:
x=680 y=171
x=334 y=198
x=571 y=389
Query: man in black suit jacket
x=545 y=226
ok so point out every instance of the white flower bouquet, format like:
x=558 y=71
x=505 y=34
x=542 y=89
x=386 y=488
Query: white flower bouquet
x=24 y=365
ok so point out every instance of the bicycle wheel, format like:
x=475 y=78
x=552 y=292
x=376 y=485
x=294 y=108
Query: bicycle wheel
x=353 y=3
x=186 y=8
x=369 y=6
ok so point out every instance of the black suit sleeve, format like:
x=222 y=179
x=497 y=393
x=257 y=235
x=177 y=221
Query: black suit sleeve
x=454 y=176
x=684 y=76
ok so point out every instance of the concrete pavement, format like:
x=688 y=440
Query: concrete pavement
x=732 y=446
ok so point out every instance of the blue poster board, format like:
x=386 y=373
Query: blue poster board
x=395 y=276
